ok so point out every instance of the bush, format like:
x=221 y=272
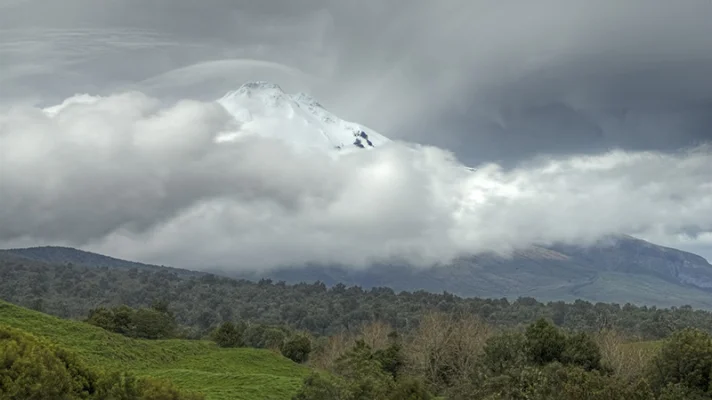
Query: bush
x=685 y=359
x=581 y=350
x=503 y=352
x=255 y=336
x=410 y=389
x=229 y=335
x=122 y=386
x=153 y=389
x=681 y=392
x=297 y=348
x=544 y=342
x=322 y=387
x=391 y=359
x=557 y=381
x=32 y=369
x=274 y=338
x=145 y=323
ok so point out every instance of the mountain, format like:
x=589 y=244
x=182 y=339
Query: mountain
x=68 y=255
x=263 y=108
x=619 y=269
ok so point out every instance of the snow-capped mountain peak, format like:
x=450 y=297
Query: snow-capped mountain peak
x=263 y=108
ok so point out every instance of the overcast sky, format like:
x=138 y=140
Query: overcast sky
x=582 y=118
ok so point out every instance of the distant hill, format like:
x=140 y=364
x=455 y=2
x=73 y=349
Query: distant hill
x=619 y=269
x=200 y=366
x=70 y=255
x=200 y=302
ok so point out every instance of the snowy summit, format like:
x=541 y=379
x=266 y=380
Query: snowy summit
x=263 y=108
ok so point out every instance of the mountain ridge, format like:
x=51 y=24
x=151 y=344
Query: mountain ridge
x=69 y=255
x=625 y=270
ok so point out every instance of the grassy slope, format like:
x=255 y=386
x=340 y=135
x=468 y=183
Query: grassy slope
x=195 y=365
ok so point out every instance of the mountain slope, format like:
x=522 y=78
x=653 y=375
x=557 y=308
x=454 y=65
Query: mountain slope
x=264 y=109
x=622 y=269
x=195 y=365
x=69 y=255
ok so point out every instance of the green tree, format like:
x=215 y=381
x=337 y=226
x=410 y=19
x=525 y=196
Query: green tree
x=297 y=348
x=144 y=323
x=556 y=381
x=229 y=335
x=685 y=359
x=149 y=323
x=544 y=342
x=364 y=375
x=503 y=352
x=274 y=338
x=581 y=350
x=679 y=391
x=391 y=359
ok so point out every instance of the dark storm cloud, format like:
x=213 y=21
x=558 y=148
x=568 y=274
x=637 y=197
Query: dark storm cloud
x=491 y=81
x=494 y=81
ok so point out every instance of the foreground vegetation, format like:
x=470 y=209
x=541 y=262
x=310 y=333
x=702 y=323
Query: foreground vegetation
x=466 y=359
x=33 y=368
x=456 y=357
x=200 y=366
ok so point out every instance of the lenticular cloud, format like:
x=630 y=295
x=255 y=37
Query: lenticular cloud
x=270 y=179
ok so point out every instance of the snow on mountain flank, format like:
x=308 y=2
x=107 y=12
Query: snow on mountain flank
x=264 y=109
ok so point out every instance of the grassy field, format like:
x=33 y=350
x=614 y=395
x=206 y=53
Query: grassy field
x=194 y=365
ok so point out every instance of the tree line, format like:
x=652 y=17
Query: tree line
x=201 y=303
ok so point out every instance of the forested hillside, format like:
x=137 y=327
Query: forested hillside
x=202 y=302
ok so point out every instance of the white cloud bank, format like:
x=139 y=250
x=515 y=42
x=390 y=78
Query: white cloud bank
x=136 y=178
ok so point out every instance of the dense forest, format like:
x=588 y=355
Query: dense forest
x=202 y=302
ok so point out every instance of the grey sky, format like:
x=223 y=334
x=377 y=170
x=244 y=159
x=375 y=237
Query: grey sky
x=490 y=81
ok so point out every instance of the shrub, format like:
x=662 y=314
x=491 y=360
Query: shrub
x=685 y=359
x=410 y=389
x=503 y=352
x=145 y=323
x=544 y=342
x=32 y=369
x=581 y=350
x=322 y=387
x=274 y=338
x=297 y=348
x=229 y=335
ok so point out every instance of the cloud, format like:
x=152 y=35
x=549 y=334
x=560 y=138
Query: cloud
x=493 y=82
x=137 y=177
